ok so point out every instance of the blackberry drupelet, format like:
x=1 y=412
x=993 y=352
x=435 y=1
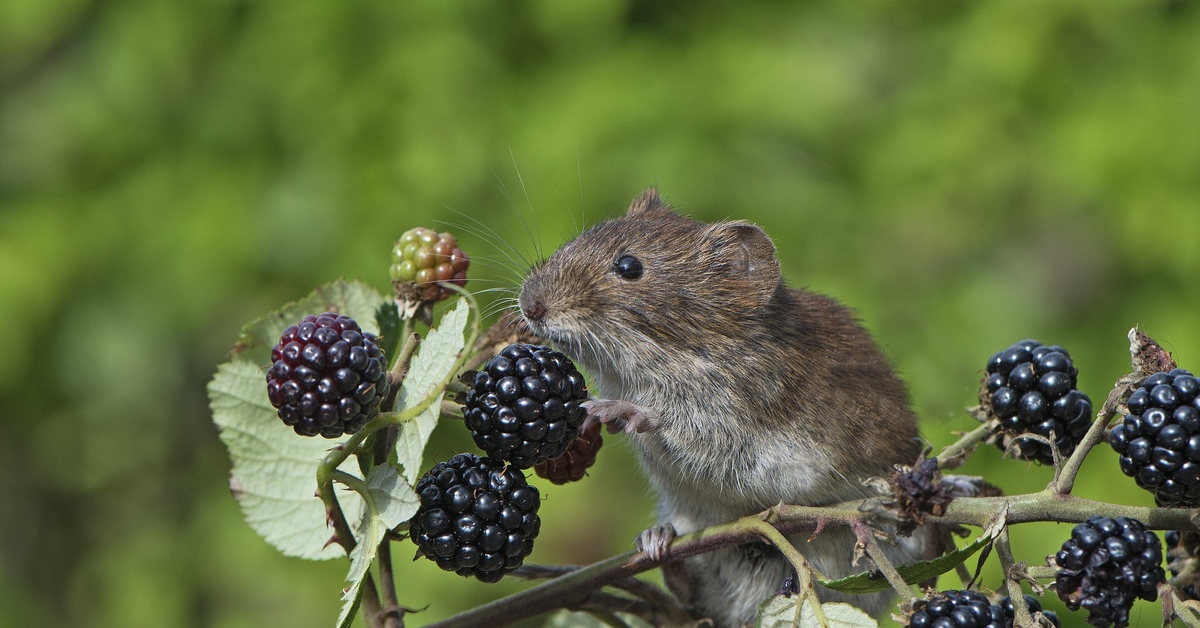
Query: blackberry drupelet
x=574 y=463
x=422 y=257
x=1159 y=440
x=524 y=406
x=328 y=377
x=958 y=609
x=1107 y=564
x=1030 y=388
x=478 y=517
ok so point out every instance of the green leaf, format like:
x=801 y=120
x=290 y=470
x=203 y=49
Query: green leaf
x=350 y=298
x=390 y=502
x=796 y=611
x=274 y=470
x=427 y=374
x=387 y=318
x=913 y=573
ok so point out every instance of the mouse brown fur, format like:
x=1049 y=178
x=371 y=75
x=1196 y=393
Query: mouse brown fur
x=753 y=393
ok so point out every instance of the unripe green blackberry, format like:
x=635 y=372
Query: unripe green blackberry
x=1030 y=388
x=478 y=517
x=327 y=376
x=1106 y=565
x=524 y=406
x=1159 y=440
x=421 y=258
x=573 y=464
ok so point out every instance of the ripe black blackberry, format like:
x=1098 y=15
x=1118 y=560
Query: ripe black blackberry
x=957 y=609
x=524 y=406
x=1159 y=440
x=1030 y=388
x=573 y=464
x=327 y=376
x=1034 y=607
x=478 y=517
x=1106 y=565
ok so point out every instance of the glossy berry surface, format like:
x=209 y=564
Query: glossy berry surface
x=1034 y=607
x=1159 y=440
x=478 y=517
x=327 y=376
x=957 y=609
x=573 y=464
x=1181 y=556
x=422 y=257
x=1106 y=565
x=1030 y=388
x=524 y=406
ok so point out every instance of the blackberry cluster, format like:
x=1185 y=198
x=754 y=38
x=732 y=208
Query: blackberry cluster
x=1106 y=565
x=422 y=257
x=1159 y=440
x=574 y=463
x=478 y=517
x=970 y=609
x=1030 y=388
x=328 y=377
x=524 y=406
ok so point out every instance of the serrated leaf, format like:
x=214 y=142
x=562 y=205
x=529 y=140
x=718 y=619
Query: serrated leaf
x=350 y=298
x=274 y=470
x=797 y=612
x=429 y=369
x=390 y=502
x=912 y=573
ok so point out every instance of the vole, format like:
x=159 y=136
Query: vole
x=739 y=392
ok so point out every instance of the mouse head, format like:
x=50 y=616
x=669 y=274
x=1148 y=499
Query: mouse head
x=650 y=283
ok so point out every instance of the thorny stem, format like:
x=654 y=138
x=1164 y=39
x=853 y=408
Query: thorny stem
x=393 y=616
x=954 y=454
x=866 y=536
x=1021 y=615
x=1066 y=480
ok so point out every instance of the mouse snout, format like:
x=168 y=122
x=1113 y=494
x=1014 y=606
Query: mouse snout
x=532 y=307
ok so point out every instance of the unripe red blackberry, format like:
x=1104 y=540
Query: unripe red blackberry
x=575 y=461
x=1106 y=565
x=478 y=517
x=1030 y=388
x=421 y=258
x=1159 y=440
x=327 y=376
x=524 y=406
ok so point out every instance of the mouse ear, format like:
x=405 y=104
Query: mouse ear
x=749 y=255
x=646 y=201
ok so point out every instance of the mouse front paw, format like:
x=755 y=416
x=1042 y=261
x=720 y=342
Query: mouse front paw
x=655 y=541
x=621 y=415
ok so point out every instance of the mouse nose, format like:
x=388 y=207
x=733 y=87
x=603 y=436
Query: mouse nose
x=534 y=310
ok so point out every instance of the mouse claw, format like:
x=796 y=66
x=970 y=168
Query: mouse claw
x=655 y=541
x=621 y=415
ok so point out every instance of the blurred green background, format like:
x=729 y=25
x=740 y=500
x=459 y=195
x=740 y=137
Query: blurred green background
x=964 y=174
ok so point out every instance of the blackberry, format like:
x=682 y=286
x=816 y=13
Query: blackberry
x=1030 y=388
x=1107 y=564
x=328 y=377
x=524 y=406
x=958 y=609
x=1034 y=607
x=421 y=258
x=574 y=463
x=1159 y=440
x=478 y=517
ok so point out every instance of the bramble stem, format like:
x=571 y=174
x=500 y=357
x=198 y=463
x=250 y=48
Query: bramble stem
x=956 y=453
x=1021 y=615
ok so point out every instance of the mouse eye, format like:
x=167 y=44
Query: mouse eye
x=628 y=267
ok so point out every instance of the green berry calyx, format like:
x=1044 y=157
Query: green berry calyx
x=423 y=257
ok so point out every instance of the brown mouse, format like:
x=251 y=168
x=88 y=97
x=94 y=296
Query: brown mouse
x=738 y=392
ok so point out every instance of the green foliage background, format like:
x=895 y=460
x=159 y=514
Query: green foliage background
x=964 y=174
